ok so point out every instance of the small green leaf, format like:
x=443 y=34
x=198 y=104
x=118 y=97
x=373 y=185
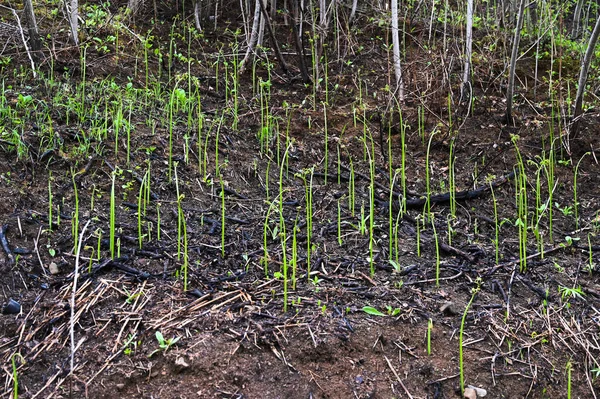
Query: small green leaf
x=372 y=311
x=396 y=265
x=160 y=338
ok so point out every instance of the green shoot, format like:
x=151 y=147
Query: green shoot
x=474 y=292
x=164 y=344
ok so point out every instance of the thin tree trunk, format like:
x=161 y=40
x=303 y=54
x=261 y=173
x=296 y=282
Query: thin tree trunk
x=583 y=74
x=245 y=11
x=197 y=15
x=216 y=14
x=261 y=27
x=444 y=39
x=577 y=20
x=468 y=52
x=322 y=13
x=265 y=15
x=533 y=13
x=502 y=9
x=315 y=51
x=301 y=17
x=73 y=12
x=296 y=19
x=430 y=19
x=253 y=36
x=513 y=63
x=286 y=14
x=353 y=12
x=34 y=37
x=324 y=25
x=134 y=6
x=396 y=51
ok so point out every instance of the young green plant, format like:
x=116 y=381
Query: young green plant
x=474 y=292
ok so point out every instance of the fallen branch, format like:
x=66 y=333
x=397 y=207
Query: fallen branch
x=23 y=39
x=397 y=377
x=5 y=247
x=460 y=195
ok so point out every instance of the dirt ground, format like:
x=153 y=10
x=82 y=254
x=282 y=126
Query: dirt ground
x=527 y=333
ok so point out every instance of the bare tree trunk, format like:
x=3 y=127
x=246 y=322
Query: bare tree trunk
x=577 y=20
x=253 y=36
x=34 y=37
x=301 y=17
x=513 y=63
x=134 y=6
x=444 y=39
x=296 y=21
x=430 y=19
x=353 y=12
x=502 y=9
x=280 y=58
x=396 y=51
x=533 y=10
x=261 y=27
x=583 y=74
x=286 y=14
x=73 y=14
x=315 y=51
x=322 y=13
x=245 y=11
x=468 y=52
x=197 y=15
x=216 y=14
x=323 y=25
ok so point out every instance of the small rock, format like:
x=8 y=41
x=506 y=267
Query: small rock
x=470 y=393
x=196 y=293
x=120 y=386
x=181 y=363
x=53 y=268
x=21 y=251
x=480 y=391
x=449 y=309
x=12 y=307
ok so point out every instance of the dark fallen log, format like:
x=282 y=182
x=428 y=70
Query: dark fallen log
x=455 y=251
x=421 y=200
x=344 y=320
x=118 y=264
x=541 y=292
x=5 y=246
x=215 y=226
x=497 y=285
x=232 y=192
x=460 y=195
x=594 y=248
